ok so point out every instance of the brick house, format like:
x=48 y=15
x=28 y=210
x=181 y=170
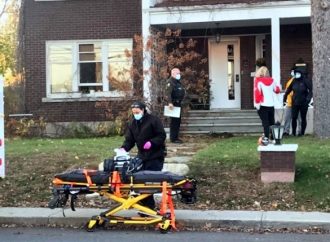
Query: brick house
x=71 y=46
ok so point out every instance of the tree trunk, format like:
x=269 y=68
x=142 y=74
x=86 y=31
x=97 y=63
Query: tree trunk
x=321 y=66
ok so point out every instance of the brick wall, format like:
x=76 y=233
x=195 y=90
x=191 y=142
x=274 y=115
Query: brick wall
x=296 y=42
x=71 y=20
x=277 y=161
x=168 y=3
x=85 y=19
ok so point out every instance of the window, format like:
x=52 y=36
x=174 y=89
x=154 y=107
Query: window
x=60 y=68
x=89 y=68
x=230 y=71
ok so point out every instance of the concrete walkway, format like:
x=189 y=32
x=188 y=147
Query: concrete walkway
x=178 y=156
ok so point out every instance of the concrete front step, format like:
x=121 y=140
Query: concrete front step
x=222 y=113
x=221 y=120
x=223 y=128
x=218 y=129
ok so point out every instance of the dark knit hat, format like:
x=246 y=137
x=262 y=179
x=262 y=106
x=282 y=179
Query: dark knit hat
x=138 y=104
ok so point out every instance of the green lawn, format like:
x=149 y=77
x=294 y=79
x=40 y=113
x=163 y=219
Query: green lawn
x=228 y=172
x=32 y=163
x=95 y=147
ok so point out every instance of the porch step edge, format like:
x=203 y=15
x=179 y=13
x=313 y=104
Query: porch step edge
x=221 y=125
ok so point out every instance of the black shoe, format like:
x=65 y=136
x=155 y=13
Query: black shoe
x=177 y=141
x=286 y=134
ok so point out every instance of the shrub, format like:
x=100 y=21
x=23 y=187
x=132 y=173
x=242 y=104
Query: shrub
x=25 y=127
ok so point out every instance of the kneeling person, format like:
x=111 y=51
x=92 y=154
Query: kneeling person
x=146 y=131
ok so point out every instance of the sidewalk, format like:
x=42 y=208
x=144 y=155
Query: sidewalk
x=186 y=218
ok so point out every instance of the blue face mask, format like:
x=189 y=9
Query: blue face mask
x=138 y=116
x=178 y=76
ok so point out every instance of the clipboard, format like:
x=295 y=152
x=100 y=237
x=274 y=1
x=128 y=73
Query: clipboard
x=174 y=113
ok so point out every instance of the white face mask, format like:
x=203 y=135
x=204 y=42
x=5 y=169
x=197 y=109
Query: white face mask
x=297 y=75
x=292 y=73
x=178 y=76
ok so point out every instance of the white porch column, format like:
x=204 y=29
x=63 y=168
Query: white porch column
x=146 y=54
x=276 y=56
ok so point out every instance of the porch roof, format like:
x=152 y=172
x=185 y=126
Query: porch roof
x=231 y=15
x=235 y=24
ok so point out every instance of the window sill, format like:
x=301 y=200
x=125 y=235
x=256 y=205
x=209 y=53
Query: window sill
x=81 y=99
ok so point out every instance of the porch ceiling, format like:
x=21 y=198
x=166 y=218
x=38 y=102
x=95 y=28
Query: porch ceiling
x=235 y=24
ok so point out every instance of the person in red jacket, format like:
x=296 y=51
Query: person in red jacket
x=264 y=89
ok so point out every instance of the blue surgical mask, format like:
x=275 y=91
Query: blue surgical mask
x=138 y=116
x=297 y=75
x=178 y=76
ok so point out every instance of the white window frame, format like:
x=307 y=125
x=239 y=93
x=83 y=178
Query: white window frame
x=259 y=46
x=75 y=94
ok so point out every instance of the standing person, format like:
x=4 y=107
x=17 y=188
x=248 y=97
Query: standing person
x=175 y=93
x=264 y=89
x=288 y=108
x=146 y=131
x=302 y=94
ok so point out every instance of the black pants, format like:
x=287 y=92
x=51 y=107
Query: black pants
x=266 y=115
x=152 y=165
x=175 y=124
x=303 y=113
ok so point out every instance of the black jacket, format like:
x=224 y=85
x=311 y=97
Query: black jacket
x=302 y=91
x=149 y=128
x=174 y=90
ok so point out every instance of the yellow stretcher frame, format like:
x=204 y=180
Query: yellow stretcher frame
x=125 y=194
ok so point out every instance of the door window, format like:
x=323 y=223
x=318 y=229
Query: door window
x=231 y=72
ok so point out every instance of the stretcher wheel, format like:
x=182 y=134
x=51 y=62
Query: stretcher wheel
x=165 y=226
x=93 y=223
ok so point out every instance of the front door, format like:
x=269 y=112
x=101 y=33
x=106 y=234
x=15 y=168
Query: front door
x=224 y=67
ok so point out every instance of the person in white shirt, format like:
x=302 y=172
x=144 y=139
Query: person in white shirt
x=264 y=89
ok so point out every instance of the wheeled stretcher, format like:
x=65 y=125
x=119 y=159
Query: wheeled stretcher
x=126 y=187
